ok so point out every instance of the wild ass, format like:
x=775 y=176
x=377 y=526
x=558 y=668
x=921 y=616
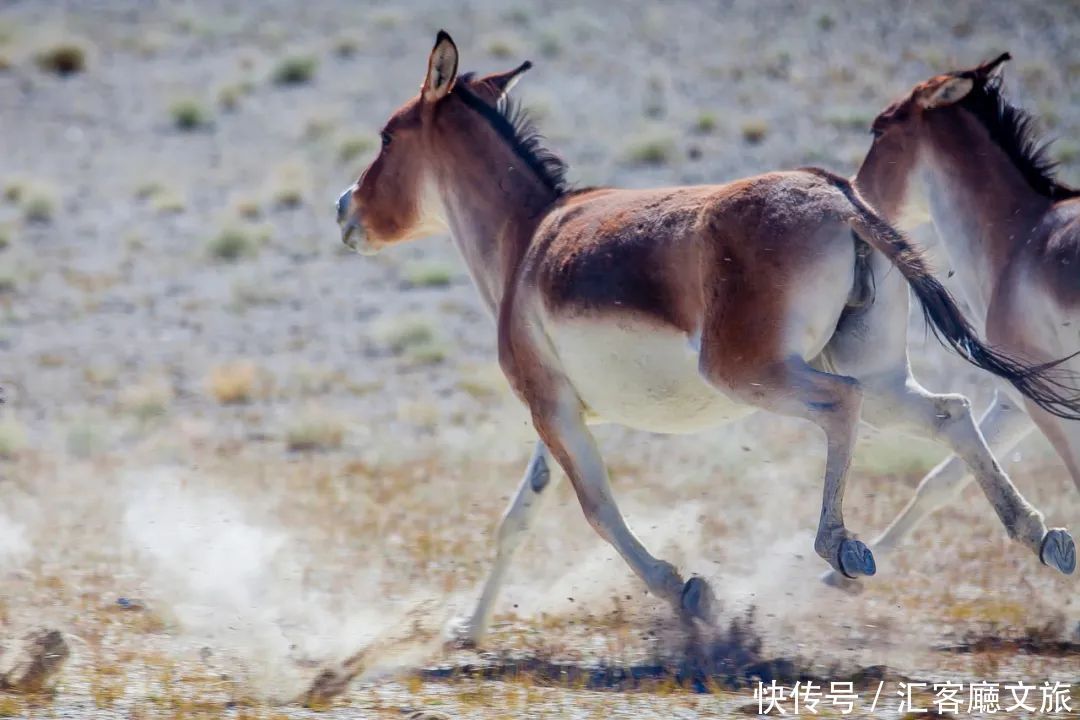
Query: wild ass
x=670 y=310
x=955 y=152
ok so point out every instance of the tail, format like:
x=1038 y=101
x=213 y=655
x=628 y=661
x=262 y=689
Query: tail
x=1048 y=385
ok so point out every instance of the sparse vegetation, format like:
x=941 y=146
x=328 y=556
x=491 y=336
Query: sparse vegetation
x=63 y=58
x=354 y=146
x=295 y=70
x=399 y=333
x=315 y=430
x=148 y=399
x=427 y=273
x=501 y=48
x=1066 y=151
x=167 y=201
x=12 y=436
x=754 y=131
x=8 y=281
x=549 y=45
x=189 y=114
x=705 y=123
x=246 y=207
x=38 y=206
x=232 y=243
x=651 y=149
x=346 y=46
x=229 y=96
x=290 y=186
x=236 y=382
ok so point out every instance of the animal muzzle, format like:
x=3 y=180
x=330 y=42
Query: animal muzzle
x=352 y=231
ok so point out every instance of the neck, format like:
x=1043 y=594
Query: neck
x=492 y=206
x=982 y=208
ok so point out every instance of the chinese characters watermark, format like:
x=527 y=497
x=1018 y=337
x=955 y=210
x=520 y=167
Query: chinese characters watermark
x=808 y=697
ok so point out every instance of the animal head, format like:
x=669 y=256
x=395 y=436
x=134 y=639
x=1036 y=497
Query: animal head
x=888 y=175
x=396 y=198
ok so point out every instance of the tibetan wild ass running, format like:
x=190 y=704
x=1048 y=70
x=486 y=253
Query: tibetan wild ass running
x=671 y=310
x=954 y=151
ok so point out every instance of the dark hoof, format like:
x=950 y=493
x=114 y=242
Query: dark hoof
x=836 y=580
x=1058 y=551
x=856 y=559
x=697 y=599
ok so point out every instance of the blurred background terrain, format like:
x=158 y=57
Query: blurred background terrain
x=231 y=452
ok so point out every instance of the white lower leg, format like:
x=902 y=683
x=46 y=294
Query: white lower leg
x=537 y=484
x=1003 y=425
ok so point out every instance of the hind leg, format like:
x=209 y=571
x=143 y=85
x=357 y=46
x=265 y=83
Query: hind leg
x=793 y=388
x=901 y=403
x=1003 y=425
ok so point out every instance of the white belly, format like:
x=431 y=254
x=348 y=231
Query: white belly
x=636 y=375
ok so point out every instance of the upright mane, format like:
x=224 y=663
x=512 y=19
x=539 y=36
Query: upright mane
x=1014 y=131
x=511 y=121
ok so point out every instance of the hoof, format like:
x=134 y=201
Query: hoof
x=461 y=635
x=1058 y=551
x=841 y=582
x=856 y=559
x=697 y=599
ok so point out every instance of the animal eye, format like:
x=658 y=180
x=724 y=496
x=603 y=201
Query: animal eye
x=386 y=138
x=876 y=132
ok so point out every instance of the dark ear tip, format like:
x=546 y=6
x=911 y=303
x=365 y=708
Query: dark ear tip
x=527 y=65
x=443 y=36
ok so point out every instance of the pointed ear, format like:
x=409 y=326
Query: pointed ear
x=442 y=68
x=993 y=67
x=505 y=82
x=952 y=90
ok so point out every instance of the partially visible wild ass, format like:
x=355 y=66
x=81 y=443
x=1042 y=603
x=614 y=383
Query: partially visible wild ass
x=671 y=310
x=955 y=152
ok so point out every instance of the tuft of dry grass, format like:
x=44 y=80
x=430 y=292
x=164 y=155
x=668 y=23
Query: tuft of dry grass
x=64 y=58
x=12 y=437
x=235 y=382
x=9 y=283
x=290 y=186
x=148 y=399
x=34 y=198
x=189 y=114
x=232 y=243
x=346 y=46
x=428 y=273
x=501 y=48
x=168 y=202
x=38 y=206
x=229 y=96
x=705 y=123
x=315 y=430
x=655 y=149
x=400 y=332
x=295 y=70
x=754 y=131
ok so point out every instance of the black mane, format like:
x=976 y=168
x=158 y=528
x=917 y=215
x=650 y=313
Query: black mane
x=1013 y=129
x=510 y=120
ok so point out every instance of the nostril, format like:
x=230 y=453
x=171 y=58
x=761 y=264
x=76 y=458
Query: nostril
x=343 y=205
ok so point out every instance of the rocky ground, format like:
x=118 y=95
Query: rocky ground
x=232 y=455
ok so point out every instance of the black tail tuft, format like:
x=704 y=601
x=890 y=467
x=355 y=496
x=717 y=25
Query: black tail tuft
x=1049 y=385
